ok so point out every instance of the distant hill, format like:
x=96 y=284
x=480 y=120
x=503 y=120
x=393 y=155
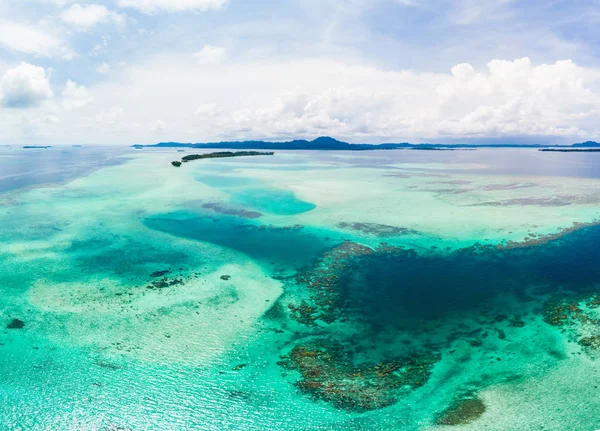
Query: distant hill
x=587 y=144
x=328 y=143
x=322 y=143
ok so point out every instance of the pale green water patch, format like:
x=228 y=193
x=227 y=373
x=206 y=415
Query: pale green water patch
x=225 y=181
x=280 y=202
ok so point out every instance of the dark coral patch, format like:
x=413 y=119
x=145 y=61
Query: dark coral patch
x=462 y=412
x=376 y=229
x=16 y=324
x=329 y=372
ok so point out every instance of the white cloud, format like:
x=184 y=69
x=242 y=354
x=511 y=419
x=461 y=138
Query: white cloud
x=114 y=117
x=88 y=16
x=209 y=110
x=308 y=98
x=158 y=127
x=24 y=86
x=314 y=97
x=103 y=68
x=210 y=54
x=100 y=48
x=153 y=6
x=35 y=40
x=76 y=96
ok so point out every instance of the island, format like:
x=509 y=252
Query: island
x=34 y=147
x=326 y=143
x=587 y=144
x=566 y=150
x=220 y=155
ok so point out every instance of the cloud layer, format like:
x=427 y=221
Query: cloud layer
x=308 y=98
x=125 y=71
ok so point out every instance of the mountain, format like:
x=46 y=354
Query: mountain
x=321 y=143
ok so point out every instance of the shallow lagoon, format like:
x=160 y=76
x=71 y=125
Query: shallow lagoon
x=255 y=294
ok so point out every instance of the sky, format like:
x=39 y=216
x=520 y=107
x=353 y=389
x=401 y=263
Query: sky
x=368 y=71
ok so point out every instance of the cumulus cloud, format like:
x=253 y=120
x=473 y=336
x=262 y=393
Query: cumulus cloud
x=35 y=40
x=308 y=98
x=88 y=16
x=210 y=54
x=24 y=86
x=153 y=6
x=76 y=96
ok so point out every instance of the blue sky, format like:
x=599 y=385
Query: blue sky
x=130 y=71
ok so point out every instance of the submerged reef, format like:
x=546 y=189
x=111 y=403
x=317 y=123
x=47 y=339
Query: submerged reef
x=328 y=369
x=164 y=281
x=16 y=324
x=533 y=239
x=323 y=278
x=578 y=317
x=556 y=201
x=321 y=281
x=377 y=229
x=227 y=210
x=329 y=372
x=462 y=412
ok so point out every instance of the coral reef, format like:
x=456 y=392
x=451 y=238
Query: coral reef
x=323 y=278
x=321 y=281
x=533 y=239
x=224 y=209
x=377 y=229
x=462 y=412
x=578 y=317
x=328 y=372
x=15 y=324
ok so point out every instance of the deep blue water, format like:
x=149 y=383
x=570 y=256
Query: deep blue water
x=409 y=289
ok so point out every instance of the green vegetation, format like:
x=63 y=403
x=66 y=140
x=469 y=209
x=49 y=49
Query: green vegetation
x=220 y=155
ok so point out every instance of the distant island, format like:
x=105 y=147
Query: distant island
x=571 y=150
x=32 y=147
x=328 y=143
x=220 y=155
x=587 y=144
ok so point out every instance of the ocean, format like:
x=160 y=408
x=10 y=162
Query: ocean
x=378 y=290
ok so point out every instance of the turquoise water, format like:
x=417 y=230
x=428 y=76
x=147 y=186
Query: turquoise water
x=280 y=202
x=276 y=307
